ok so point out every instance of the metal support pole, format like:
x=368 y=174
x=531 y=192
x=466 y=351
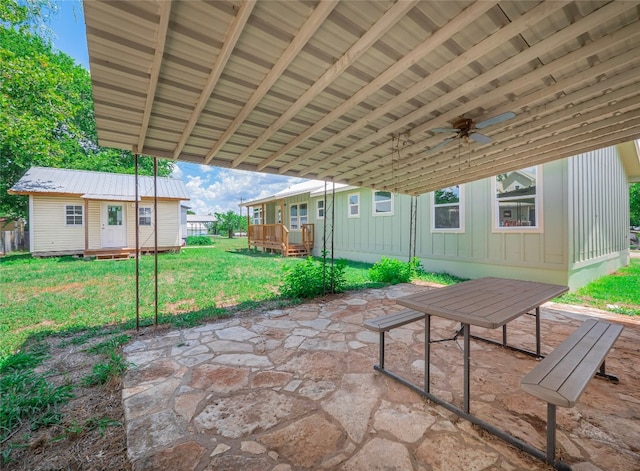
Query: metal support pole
x=538 y=331
x=333 y=220
x=381 y=347
x=504 y=335
x=155 y=232
x=324 y=243
x=427 y=353
x=137 y=209
x=551 y=433
x=467 y=364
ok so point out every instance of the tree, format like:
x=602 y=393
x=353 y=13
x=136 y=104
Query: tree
x=231 y=222
x=634 y=204
x=47 y=110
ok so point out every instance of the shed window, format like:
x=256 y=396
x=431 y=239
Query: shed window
x=354 y=205
x=382 y=203
x=518 y=200
x=144 y=215
x=297 y=216
x=320 y=209
x=447 y=214
x=74 y=215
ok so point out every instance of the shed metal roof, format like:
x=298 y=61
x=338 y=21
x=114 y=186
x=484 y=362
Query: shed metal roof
x=96 y=185
x=200 y=218
x=356 y=91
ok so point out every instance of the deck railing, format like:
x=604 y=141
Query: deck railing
x=276 y=237
x=308 y=236
x=270 y=236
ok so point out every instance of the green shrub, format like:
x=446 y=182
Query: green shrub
x=199 y=240
x=390 y=270
x=312 y=278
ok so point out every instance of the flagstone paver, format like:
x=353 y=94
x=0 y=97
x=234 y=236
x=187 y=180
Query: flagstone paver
x=294 y=389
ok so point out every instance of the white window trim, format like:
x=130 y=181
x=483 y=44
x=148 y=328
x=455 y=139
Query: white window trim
x=496 y=228
x=66 y=223
x=461 y=205
x=349 y=215
x=150 y=216
x=299 y=229
x=256 y=220
x=324 y=209
x=373 y=203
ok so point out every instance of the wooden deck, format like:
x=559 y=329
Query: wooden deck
x=125 y=253
x=275 y=238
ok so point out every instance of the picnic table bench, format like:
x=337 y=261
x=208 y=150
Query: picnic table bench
x=562 y=376
x=391 y=321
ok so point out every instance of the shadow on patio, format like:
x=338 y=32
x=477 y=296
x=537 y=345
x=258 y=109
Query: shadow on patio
x=296 y=389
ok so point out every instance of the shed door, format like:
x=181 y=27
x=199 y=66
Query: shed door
x=114 y=230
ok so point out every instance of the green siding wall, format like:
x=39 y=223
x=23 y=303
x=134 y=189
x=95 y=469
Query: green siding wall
x=583 y=217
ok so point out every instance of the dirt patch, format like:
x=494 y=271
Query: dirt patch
x=91 y=435
x=184 y=305
x=61 y=288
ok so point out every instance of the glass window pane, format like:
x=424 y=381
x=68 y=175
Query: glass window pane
x=447 y=217
x=517 y=212
x=382 y=196
x=447 y=195
x=516 y=198
x=383 y=207
x=516 y=184
x=353 y=199
x=114 y=215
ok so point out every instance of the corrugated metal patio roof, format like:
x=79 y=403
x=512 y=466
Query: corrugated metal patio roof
x=359 y=92
x=96 y=185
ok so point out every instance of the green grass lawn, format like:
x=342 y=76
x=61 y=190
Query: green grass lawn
x=70 y=294
x=66 y=294
x=618 y=292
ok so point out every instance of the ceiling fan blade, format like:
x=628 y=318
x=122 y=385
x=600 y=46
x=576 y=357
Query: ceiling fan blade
x=481 y=138
x=496 y=119
x=444 y=130
x=441 y=144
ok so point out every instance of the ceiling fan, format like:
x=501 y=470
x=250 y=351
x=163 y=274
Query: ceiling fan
x=465 y=129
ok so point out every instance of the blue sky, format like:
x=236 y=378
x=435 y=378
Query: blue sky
x=212 y=189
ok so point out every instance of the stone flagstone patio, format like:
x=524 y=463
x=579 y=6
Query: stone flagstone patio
x=295 y=389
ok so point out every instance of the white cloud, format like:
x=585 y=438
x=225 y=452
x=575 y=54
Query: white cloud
x=177 y=172
x=206 y=168
x=215 y=190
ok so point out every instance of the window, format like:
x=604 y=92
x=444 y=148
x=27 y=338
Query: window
x=257 y=216
x=73 y=215
x=144 y=216
x=354 y=205
x=382 y=203
x=297 y=216
x=517 y=200
x=447 y=210
x=320 y=209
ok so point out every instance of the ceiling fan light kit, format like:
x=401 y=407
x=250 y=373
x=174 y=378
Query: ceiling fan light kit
x=465 y=130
